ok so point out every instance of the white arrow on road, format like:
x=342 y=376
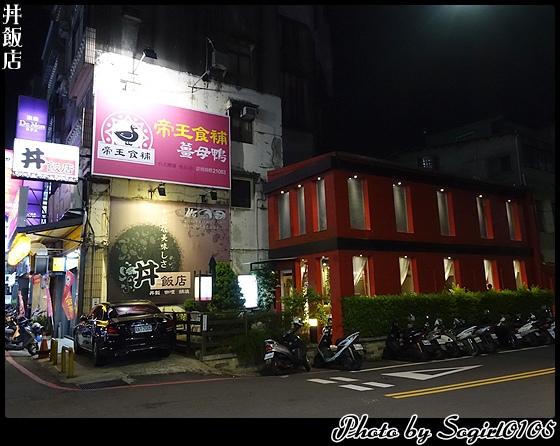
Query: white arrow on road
x=423 y=375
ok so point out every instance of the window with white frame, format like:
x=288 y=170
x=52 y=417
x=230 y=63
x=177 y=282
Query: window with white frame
x=325 y=277
x=321 y=204
x=356 y=203
x=489 y=272
x=483 y=208
x=443 y=212
x=512 y=212
x=519 y=272
x=301 y=209
x=401 y=211
x=449 y=272
x=284 y=215
x=360 y=271
x=407 y=279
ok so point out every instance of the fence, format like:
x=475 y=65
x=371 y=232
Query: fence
x=207 y=333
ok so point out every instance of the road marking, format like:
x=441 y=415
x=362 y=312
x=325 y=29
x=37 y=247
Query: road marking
x=361 y=388
x=423 y=375
x=375 y=384
x=466 y=385
x=355 y=387
x=321 y=381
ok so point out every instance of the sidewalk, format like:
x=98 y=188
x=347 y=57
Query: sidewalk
x=79 y=369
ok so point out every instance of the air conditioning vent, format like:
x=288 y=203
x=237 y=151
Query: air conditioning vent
x=248 y=113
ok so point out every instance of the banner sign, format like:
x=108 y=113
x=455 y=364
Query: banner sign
x=134 y=138
x=45 y=161
x=67 y=301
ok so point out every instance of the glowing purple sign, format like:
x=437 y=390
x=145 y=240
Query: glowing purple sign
x=32 y=119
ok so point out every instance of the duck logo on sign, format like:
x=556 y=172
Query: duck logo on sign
x=127 y=137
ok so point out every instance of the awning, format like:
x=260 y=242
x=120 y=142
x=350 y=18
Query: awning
x=50 y=232
x=272 y=261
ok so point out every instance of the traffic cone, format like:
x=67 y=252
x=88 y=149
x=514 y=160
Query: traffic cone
x=44 y=350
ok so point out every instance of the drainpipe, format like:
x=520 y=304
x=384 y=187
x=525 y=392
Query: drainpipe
x=84 y=247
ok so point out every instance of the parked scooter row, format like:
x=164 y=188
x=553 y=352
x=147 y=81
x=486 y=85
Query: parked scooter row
x=426 y=344
x=21 y=334
x=290 y=354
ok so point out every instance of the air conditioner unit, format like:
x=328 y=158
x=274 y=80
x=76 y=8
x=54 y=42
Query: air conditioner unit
x=248 y=113
x=220 y=60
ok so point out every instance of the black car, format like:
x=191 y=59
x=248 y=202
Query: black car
x=120 y=328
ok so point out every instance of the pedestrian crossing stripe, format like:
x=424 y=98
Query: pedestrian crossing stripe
x=337 y=379
x=355 y=387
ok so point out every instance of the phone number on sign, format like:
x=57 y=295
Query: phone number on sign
x=211 y=170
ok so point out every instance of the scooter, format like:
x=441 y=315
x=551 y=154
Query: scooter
x=471 y=342
x=344 y=354
x=547 y=326
x=487 y=333
x=20 y=334
x=288 y=355
x=444 y=344
x=408 y=346
x=507 y=334
x=530 y=332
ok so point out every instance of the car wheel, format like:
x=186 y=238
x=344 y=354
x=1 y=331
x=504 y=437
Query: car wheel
x=77 y=349
x=98 y=358
x=164 y=352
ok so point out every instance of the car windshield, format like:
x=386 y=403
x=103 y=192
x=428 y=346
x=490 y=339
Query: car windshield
x=133 y=310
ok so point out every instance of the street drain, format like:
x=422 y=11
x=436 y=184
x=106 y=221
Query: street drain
x=103 y=384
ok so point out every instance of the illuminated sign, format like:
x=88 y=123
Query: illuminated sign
x=18 y=211
x=32 y=118
x=137 y=139
x=45 y=161
x=19 y=250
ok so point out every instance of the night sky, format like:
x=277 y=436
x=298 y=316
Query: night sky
x=405 y=69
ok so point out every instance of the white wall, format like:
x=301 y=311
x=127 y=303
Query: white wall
x=249 y=228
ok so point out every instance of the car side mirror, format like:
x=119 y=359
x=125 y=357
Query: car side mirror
x=83 y=318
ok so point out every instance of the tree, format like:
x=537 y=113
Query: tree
x=266 y=286
x=228 y=294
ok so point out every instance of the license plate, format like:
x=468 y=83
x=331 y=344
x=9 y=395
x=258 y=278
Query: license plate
x=477 y=339
x=517 y=335
x=358 y=347
x=144 y=328
x=460 y=343
x=426 y=342
x=493 y=336
x=268 y=355
x=441 y=342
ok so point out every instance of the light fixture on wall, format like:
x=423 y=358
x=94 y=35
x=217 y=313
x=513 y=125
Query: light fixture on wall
x=149 y=53
x=160 y=189
x=213 y=196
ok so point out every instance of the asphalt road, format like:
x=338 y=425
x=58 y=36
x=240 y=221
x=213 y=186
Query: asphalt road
x=383 y=395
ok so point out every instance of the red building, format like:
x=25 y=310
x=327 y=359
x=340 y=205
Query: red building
x=348 y=224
